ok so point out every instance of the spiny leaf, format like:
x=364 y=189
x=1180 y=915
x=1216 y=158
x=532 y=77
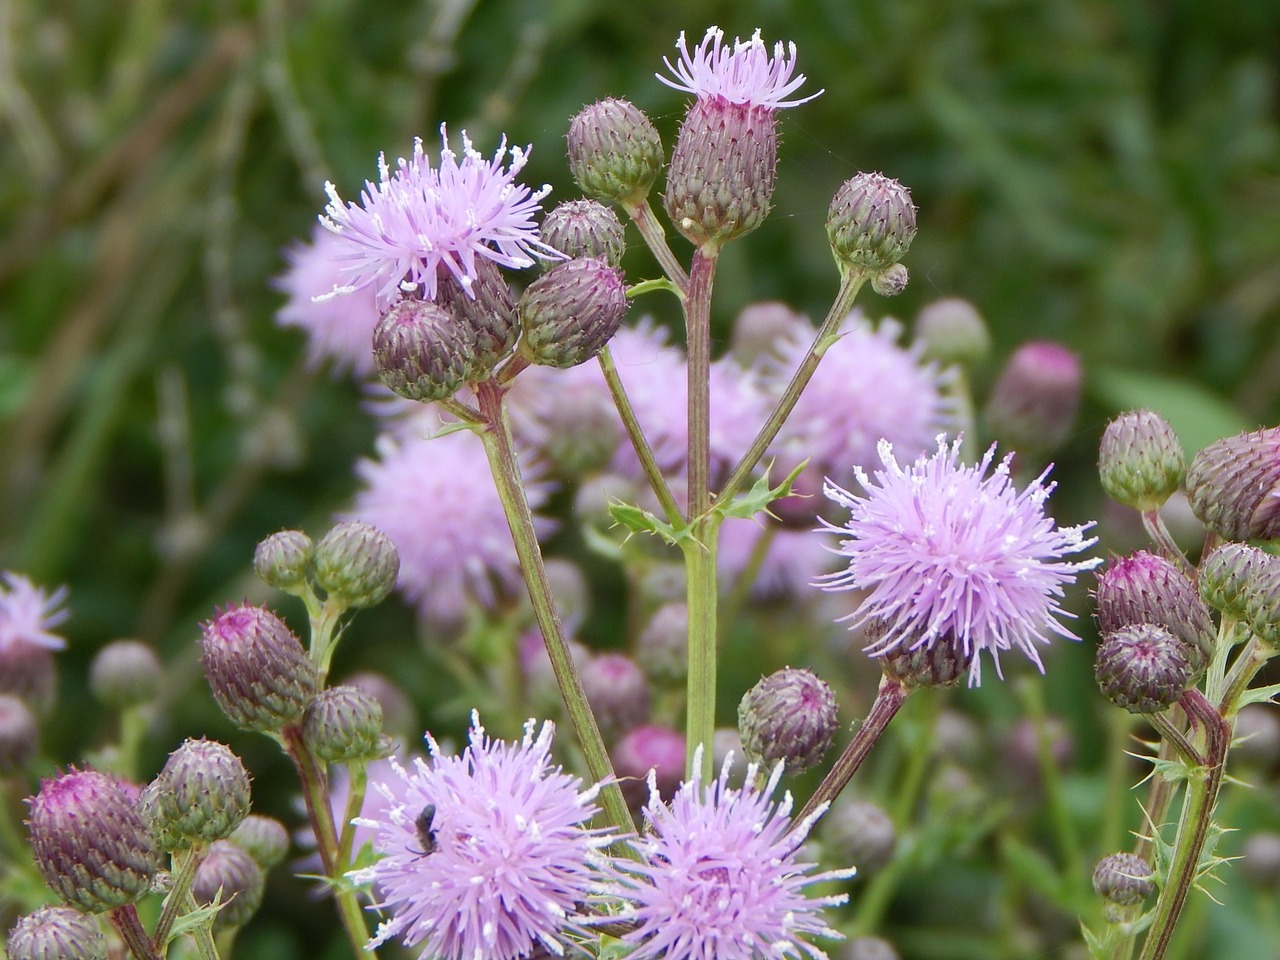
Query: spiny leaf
x=746 y=505
x=637 y=520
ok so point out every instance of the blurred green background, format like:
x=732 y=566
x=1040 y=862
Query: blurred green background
x=1105 y=173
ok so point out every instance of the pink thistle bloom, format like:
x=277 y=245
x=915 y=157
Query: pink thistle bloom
x=721 y=877
x=419 y=220
x=28 y=613
x=949 y=553
x=743 y=73
x=340 y=328
x=486 y=855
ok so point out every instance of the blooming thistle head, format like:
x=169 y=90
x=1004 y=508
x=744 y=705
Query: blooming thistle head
x=719 y=875
x=420 y=220
x=742 y=74
x=949 y=553
x=487 y=853
x=28 y=614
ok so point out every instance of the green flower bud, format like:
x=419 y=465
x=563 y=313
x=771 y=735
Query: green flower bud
x=1123 y=879
x=584 y=228
x=56 y=933
x=201 y=795
x=229 y=874
x=1143 y=668
x=1244 y=583
x=890 y=281
x=790 y=715
x=126 y=673
x=423 y=351
x=1233 y=485
x=953 y=332
x=1140 y=460
x=357 y=564
x=282 y=559
x=570 y=312
x=263 y=838
x=871 y=222
x=344 y=724
x=614 y=151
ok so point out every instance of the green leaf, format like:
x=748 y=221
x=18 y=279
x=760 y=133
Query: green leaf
x=613 y=949
x=746 y=505
x=1260 y=694
x=1197 y=416
x=199 y=917
x=638 y=520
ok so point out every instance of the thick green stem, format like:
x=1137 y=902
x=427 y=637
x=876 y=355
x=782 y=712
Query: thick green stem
x=500 y=447
x=185 y=863
x=650 y=229
x=125 y=920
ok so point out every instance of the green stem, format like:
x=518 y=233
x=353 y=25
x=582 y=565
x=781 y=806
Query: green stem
x=185 y=863
x=357 y=786
x=641 y=215
x=324 y=631
x=125 y=920
x=850 y=283
x=202 y=934
x=500 y=447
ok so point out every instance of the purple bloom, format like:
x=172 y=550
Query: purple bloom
x=486 y=855
x=742 y=73
x=948 y=554
x=27 y=613
x=419 y=220
x=720 y=876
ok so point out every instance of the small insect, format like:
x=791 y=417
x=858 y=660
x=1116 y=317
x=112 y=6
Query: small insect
x=422 y=828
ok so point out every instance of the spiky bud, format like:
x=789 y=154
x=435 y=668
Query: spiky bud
x=399 y=716
x=663 y=645
x=357 y=564
x=1146 y=588
x=570 y=312
x=1140 y=460
x=1123 y=879
x=1033 y=405
x=19 y=735
x=126 y=673
x=344 y=724
x=953 y=332
x=859 y=833
x=891 y=281
x=584 y=228
x=282 y=559
x=646 y=748
x=1244 y=583
x=263 y=838
x=615 y=152
x=423 y=352
x=90 y=842
x=1143 y=668
x=257 y=669
x=56 y=933
x=723 y=170
x=871 y=223
x=229 y=874
x=1233 y=485
x=487 y=310
x=790 y=715
x=29 y=673
x=617 y=691
x=941 y=663
x=200 y=795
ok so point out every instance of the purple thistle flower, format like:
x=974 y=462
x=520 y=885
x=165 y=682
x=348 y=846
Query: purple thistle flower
x=28 y=613
x=948 y=554
x=419 y=219
x=721 y=877
x=486 y=855
x=743 y=73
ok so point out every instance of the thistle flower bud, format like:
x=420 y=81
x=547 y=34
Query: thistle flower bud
x=1143 y=668
x=790 y=715
x=229 y=870
x=90 y=842
x=263 y=838
x=1123 y=879
x=399 y=716
x=858 y=832
x=1032 y=407
x=723 y=170
x=19 y=735
x=282 y=559
x=1244 y=583
x=953 y=332
x=257 y=669
x=487 y=310
x=201 y=795
x=423 y=352
x=868 y=948
x=614 y=151
x=56 y=933
x=343 y=724
x=585 y=228
x=617 y=691
x=871 y=223
x=29 y=673
x=891 y=281
x=357 y=563
x=1140 y=460
x=655 y=748
x=938 y=664
x=663 y=645
x=1146 y=588
x=1233 y=485
x=570 y=312
x=126 y=673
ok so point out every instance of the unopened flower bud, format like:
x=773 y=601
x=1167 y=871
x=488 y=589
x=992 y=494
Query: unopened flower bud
x=1123 y=879
x=282 y=559
x=858 y=833
x=56 y=933
x=19 y=735
x=126 y=673
x=570 y=312
x=1140 y=460
x=790 y=715
x=663 y=645
x=585 y=228
x=343 y=724
x=30 y=673
x=868 y=948
x=1244 y=583
x=941 y=663
x=1143 y=668
x=423 y=352
x=487 y=309
x=617 y=691
x=723 y=170
x=201 y=795
x=891 y=281
x=614 y=151
x=357 y=563
x=263 y=838
x=90 y=842
x=229 y=874
x=257 y=669
x=1147 y=588
x=399 y=716
x=1032 y=407
x=1233 y=485
x=871 y=223
x=655 y=748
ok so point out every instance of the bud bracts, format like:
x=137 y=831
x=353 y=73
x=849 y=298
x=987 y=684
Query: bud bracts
x=344 y=724
x=1146 y=588
x=423 y=352
x=282 y=559
x=790 y=715
x=1123 y=879
x=56 y=933
x=201 y=795
x=229 y=873
x=1140 y=460
x=357 y=563
x=1233 y=485
x=126 y=673
x=1244 y=583
x=614 y=151
x=871 y=223
x=570 y=312
x=1143 y=668
x=585 y=228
